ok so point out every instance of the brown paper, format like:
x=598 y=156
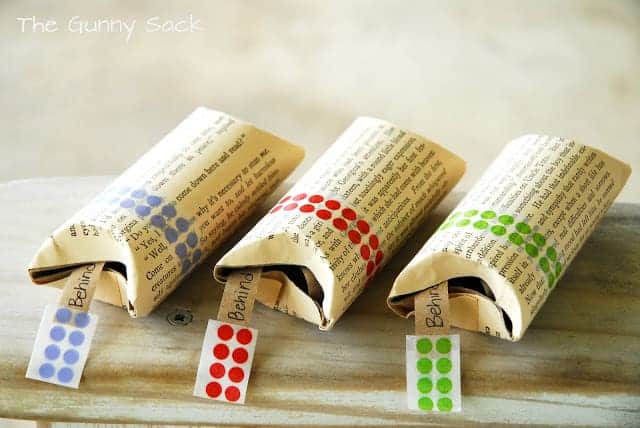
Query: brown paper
x=345 y=219
x=431 y=311
x=508 y=242
x=81 y=286
x=236 y=306
x=169 y=210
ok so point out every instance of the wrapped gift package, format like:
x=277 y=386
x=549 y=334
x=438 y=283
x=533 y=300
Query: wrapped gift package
x=169 y=210
x=508 y=242
x=324 y=241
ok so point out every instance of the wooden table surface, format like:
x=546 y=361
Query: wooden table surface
x=578 y=364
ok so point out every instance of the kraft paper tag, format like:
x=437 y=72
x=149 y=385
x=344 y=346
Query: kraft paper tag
x=433 y=355
x=229 y=344
x=239 y=296
x=66 y=331
x=432 y=310
x=78 y=292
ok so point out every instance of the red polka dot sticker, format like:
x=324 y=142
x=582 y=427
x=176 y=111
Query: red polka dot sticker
x=342 y=218
x=225 y=362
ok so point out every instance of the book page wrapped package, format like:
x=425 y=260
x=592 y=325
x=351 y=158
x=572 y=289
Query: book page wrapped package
x=508 y=242
x=325 y=240
x=169 y=210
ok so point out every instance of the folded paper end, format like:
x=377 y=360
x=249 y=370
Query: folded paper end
x=156 y=222
x=292 y=282
x=510 y=240
x=475 y=302
x=57 y=257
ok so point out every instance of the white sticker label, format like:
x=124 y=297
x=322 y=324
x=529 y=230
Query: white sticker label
x=433 y=373
x=62 y=346
x=225 y=362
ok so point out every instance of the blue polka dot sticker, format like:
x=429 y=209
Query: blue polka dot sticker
x=143 y=210
x=46 y=370
x=71 y=356
x=182 y=224
x=168 y=211
x=158 y=221
x=62 y=346
x=76 y=338
x=63 y=315
x=82 y=319
x=178 y=231
x=52 y=352
x=154 y=201
x=127 y=203
x=139 y=193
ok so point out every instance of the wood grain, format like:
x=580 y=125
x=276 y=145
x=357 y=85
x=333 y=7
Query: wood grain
x=578 y=364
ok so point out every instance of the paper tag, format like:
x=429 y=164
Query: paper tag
x=229 y=345
x=432 y=310
x=239 y=296
x=66 y=331
x=78 y=292
x=433 y=355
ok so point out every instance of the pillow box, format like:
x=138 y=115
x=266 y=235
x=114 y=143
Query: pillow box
x=169 y=210
x=508 y=242
x=324 y=241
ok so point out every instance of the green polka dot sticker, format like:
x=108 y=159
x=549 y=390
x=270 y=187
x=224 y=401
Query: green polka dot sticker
x=518 y=233
x=433 y=368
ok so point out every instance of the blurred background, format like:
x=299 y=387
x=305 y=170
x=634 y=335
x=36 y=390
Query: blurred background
x=469 y=75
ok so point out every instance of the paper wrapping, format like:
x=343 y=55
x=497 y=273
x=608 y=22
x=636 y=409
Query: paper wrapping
x=508 y=242
x=325 y=240
x=169 y=210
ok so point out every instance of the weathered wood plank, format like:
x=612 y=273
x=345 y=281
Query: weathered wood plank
x=579 y=363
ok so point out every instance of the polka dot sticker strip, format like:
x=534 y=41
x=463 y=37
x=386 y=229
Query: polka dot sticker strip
x=433 y=373
x=225 y=362
x=62 y=346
